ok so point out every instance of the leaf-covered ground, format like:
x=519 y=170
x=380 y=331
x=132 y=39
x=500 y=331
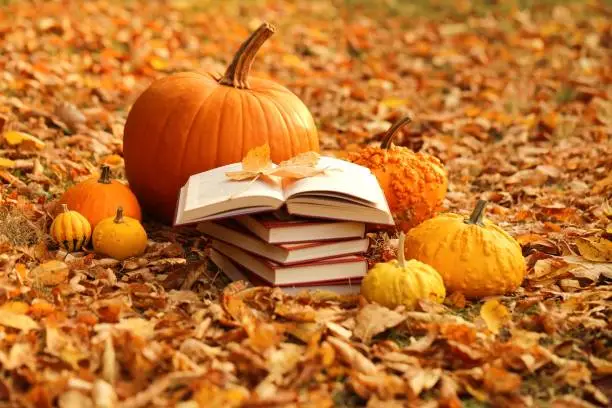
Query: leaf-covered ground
x=517 y=102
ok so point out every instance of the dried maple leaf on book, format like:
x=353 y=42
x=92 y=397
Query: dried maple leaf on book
x=257 y=163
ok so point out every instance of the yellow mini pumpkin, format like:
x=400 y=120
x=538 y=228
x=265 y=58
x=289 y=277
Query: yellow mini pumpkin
x=474 y=256
x=70 y=229
x=398 y=282
x=119 y=237
x=415 y=184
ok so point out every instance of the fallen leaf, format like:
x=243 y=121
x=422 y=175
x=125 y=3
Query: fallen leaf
x=596 y=249
x=257 y=163
x=70 y=115
x=497 y=380
x=50 y=273
x=7 y=163
x=14 y=138
x=352 y=357
x=17 y=321
x=374 y=319
x=494 y=314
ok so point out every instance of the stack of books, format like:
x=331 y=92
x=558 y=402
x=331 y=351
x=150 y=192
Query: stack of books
x=302 y=234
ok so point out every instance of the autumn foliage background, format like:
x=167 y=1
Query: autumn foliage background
x=515 y=99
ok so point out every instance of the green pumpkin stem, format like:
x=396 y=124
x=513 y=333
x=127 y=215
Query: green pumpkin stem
x=390 y=134
x=477 y=214
x=237 y=73
x=119 y=217
x=400 y=250
x=65 y=208
x=105 y=176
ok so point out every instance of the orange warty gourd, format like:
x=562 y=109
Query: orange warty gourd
x=98 y=198
x=415 y=184
x=191 y=122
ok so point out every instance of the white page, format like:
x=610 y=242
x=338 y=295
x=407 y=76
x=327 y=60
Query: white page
x=343 y=177
x=213 y=186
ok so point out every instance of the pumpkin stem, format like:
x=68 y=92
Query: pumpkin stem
x=390 y=134
x=400 y=250
x=105 y=176
x=65 y=208
x=119 y=217
x=237 y=73
x=477 y=214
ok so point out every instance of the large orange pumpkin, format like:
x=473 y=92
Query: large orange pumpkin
x=98 y=198
x=191 y=122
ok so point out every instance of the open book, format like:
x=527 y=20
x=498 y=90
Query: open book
x=345 y=191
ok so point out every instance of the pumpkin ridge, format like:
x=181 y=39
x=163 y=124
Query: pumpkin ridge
x=289 y=126
x=187 y=137
x=295 y=140
x=283 y=121
x=219 y=125
x=139 y=169
x=303 y=131
x=256 y=96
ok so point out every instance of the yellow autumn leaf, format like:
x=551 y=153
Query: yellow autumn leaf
x=14 y=138
x=597 y=249
x=6 y=163
x=17 y=321
x=494 y=314
x=394 y=102
x=257 y=163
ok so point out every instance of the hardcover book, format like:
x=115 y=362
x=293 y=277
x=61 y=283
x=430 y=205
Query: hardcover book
x=328 y=270
x=233 y=233
x=236 y=272
x=279 y=228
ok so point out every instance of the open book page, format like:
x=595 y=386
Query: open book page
x=212 y=192
x=343 y=180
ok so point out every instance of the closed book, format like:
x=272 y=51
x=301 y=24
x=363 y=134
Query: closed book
x=328 y=270
x=236 y=272
x=231 y=232
x=273 y=230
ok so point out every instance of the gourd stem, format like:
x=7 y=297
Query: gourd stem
x=65 y=208
x=119 y=216
x=400 y=250
x=478 y=213
x=390 y=134
x=237 y=73
x=105 y=176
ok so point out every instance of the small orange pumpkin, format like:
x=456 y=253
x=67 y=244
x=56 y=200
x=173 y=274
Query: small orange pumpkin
x=415 y=184
x=98 y=198
x=191 y=122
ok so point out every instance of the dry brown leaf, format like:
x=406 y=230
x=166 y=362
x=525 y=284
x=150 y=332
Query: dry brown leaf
x=583 y=269
x=497 y=380
x=495 y=315
x=352 y=357
x=50 y=273
x=597 y=249
x=374 y=319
